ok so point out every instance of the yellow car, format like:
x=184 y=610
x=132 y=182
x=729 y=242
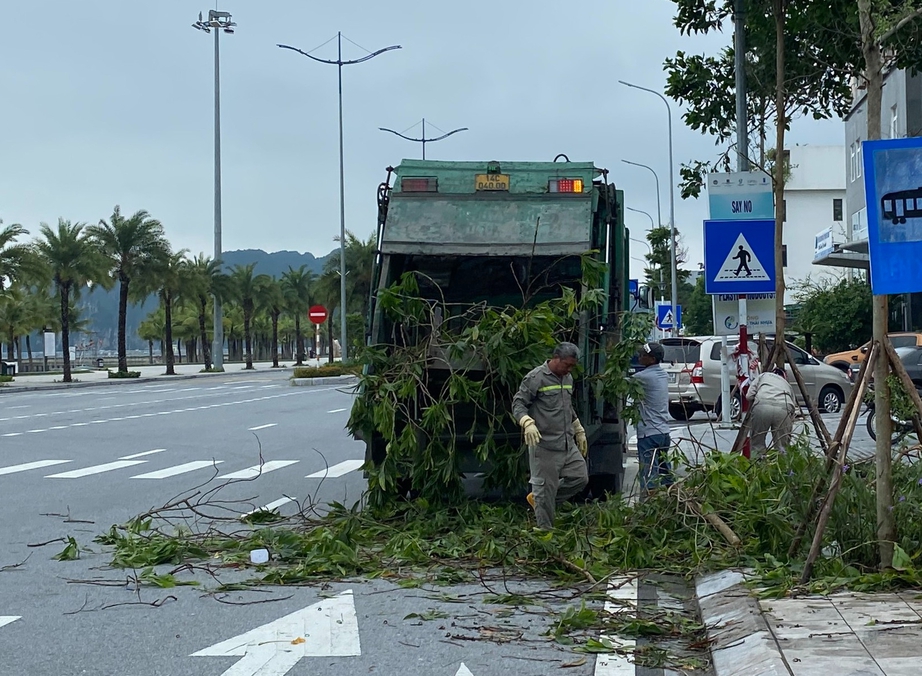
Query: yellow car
x=844 y=360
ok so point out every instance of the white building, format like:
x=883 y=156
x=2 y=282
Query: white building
x=814 y=200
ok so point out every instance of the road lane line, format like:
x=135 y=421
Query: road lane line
x=13 y=434
x=6 y=619
x=337 y=470
x=95 y=469
x=256 y=470
x=38 y=464
x=178 y=469
x=141 y=455
x=261 y=427
x=338 y=410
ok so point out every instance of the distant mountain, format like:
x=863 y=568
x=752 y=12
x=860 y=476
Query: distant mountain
x=274 y=263
x=100 y=307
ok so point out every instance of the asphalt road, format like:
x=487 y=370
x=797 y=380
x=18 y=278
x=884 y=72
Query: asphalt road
x=74 y=462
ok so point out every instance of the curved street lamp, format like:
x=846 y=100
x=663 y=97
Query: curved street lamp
x=672 y=230
x=423 y=138
x=339 y=63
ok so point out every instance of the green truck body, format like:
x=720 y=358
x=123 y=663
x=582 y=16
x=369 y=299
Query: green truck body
x=476 y=230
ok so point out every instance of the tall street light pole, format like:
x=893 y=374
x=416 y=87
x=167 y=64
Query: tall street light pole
x=339 y=63
x=672 y=231
x=659 y=213
x=217 y=21
x=423 y=138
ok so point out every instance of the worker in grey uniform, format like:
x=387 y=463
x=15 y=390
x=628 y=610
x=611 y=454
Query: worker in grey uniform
x=772 y=408
x=557 y=445
x=653 y=439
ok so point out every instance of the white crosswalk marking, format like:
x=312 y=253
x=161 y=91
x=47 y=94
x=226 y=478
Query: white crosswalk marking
x=256 y=470
x=7 y=619
x=96 y=469
x=337 y=470
x=622 y=593
x=25 y=467
x=178 y=469
x=141 y=455
x=275 y=504
x=261 y=427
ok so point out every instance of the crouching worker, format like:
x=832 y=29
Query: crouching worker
x=772 y=401
x=556 y=440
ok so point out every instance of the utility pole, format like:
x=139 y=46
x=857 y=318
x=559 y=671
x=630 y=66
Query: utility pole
x=217 y=21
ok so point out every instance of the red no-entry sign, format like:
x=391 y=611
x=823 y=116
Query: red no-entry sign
x=317 y=314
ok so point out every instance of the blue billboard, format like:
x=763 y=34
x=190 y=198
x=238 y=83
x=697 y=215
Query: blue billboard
x=893 y=188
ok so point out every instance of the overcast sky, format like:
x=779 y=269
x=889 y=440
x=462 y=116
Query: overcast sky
x=110 y=102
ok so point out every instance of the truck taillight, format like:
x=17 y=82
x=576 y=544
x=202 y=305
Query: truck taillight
x=419 y=184
x=697 y=374
x=565 y=185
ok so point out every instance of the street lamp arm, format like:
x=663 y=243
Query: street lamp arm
x=427 y=140
x=397 y=133
x=340 y=62
x=652 y=91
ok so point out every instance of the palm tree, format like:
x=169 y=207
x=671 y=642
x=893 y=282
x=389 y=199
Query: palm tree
x=204 y=279
x=72 y=259
x=14 y=311
x=296 y=287
x=151 y=329
x=360 y=260
x=272 y=300
x=14 y=258
x=244 y=285
x=134 y=246
x=171 y=280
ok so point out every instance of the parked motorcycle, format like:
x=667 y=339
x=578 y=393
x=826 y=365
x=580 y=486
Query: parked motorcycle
x=901 y=428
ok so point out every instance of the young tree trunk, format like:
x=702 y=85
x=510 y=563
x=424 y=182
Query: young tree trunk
x=168 y=328
x=248 y=338
x=64 y=291
x=886 y=524
x=29 y=349
x=18 y=353
x=206 y=348
x=10 y=340
x=122 y=319
x=275 y=340
x=299 y=340
x=179 y=350
x=150 y=351
x=780 y=11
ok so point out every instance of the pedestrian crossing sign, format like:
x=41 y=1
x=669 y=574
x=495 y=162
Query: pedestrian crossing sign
x=664 y=318
x=739 y=257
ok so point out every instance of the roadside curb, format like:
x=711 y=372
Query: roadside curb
x=324 y=380
x=12 y=388
x=741 y=642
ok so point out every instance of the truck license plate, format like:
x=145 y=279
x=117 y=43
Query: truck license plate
x=491 y=181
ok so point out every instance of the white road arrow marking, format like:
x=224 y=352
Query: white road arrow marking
x=463 y=671
x=325 y=629
x=7 y=619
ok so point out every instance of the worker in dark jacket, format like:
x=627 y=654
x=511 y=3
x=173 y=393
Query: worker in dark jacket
x=556 y=440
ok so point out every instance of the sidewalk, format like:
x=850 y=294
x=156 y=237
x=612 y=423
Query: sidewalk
x=95 y=377
x=847 y=634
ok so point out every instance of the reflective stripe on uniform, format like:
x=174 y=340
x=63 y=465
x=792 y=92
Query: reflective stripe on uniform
x=550 y=388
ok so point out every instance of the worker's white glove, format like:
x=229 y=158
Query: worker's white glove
x=532 y=435
x=580 y=435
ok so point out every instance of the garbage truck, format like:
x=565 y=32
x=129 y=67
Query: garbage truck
x=473 y=231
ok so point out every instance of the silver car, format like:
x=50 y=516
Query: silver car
x=693 y=366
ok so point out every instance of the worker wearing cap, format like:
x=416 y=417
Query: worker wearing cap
x=653 y=429
x=556 y=440
x=772 y=408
